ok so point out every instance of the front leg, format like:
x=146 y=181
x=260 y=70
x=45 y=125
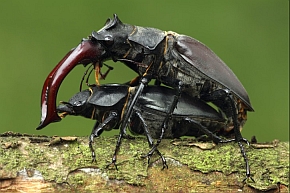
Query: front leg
x=98 y=130
x=143 y=82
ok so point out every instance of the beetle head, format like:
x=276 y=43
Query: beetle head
x=76 y=105
x=65 y=108
x=113 y=36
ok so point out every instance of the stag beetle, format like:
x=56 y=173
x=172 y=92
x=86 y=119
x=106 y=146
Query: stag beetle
x=106 y=105
x=175 y=60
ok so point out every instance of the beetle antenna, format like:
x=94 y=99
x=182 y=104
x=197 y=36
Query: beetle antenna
x=103 y=76
x=81 y=84
x=87 y=80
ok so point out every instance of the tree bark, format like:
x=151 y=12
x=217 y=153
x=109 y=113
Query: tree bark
x=32 y=163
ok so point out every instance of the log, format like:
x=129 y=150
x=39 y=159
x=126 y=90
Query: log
x=31 y=163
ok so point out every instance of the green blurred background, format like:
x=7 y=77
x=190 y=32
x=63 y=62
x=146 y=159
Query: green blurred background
x=250 y=36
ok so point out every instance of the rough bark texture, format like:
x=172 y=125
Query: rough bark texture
x=47 y=164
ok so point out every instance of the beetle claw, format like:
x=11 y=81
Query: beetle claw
x=245 y=140
x=164 y=163
x=161 y=156
x=247 y=178
x=114 y=163
x=94 y=160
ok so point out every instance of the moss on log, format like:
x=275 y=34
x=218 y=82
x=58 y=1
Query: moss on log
x=31 y=163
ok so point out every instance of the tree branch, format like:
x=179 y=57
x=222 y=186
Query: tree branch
x=41 y=163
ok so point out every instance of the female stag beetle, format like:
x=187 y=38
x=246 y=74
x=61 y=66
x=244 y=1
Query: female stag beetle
x=175 y=60
x=106 y=105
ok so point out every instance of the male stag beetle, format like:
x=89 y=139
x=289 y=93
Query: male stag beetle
x=106 y=105
x=175 y=60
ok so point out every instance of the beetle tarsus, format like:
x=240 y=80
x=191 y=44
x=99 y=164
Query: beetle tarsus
x=92 y=151
x=113 y=162
x=148 y=156
x=248 y=171
x=247 y=178
x=118 y=145
x=163 y=162
x=150 y=141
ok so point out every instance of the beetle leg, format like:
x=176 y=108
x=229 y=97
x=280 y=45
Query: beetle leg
x=143 y=82
x=97 y=131
x=83 y=78
x=168 y=116
x=134 y=82
x=103 y=76
x=214 y=137
x=150 y=141
x=224 y=99
x=97 y=71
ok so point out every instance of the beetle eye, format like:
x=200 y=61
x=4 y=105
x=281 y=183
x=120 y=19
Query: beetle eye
x=78 y=103
x=78 y=106
x=109 y=40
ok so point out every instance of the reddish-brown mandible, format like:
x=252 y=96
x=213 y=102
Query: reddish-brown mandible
x=86 y=52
